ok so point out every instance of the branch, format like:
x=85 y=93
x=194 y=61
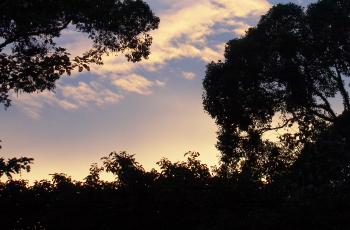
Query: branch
x=342 y=90
x=326 y=106
x=33 y=33
x=322 y=116
x=275 y=128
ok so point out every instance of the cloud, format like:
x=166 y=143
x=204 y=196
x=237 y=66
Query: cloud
x=90 y=93
x=70 y=98
x=160 y=83
x=188 y=75
x=134 y=83
x=184 y=30
x=31 y=107
x=82 y=93
x=32 y=104
x=67 y=105
x=239 y=28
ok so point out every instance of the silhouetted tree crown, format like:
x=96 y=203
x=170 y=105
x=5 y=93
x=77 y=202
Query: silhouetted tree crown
x=14 y=165
x=30 y=59
x=280 y=76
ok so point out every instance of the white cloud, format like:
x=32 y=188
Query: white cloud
x=32 y=104
x=184 y=29
x=188 y=75
x=72 y=98
x=67 y=105
x=134 y=83
x=82 y=93
x=160 y=83
x=238 y=27
x=90 y=93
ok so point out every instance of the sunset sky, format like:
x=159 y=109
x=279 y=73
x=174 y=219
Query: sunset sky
x=152 y=109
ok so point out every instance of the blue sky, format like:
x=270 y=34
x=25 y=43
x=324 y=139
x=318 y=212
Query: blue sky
x=152 y=109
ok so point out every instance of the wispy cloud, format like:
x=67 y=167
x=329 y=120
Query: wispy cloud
x=67 y=105
x=183 y=32
x=84 y=93
x=188 y=75
x=160 y=83
x=33 y=104
x=186 y=31
x=70 y=98
x=136 y=84
x=185 y=27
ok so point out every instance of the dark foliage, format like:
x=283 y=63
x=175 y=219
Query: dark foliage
x=182 y=195
x=14 y=165
x=31 y=61
x=280 y=77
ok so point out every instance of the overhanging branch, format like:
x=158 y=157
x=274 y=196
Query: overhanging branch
x=326 y=106
x=18 y=36
x=322 y=116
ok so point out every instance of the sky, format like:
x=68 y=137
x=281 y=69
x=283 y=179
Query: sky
x=152 y=109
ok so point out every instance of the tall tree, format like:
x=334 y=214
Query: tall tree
x=281 y=76
x=30 y=60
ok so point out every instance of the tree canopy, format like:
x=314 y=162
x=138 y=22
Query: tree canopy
x=282 y=75
x=31 y=60
x=14 y=165
x=180 y=195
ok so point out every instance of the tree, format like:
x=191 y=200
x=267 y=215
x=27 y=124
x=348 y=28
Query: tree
x=31 y=61
x=190 y=172
x=130 y=174
x=287 y=68
x=93 y=179
x=14 y=166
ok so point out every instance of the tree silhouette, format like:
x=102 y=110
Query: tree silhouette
x=190 y=172
x=14 y=165
x=93 y=179
x=181 y=194
x=287 y=68
x=30 y=59
x=125 y=167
